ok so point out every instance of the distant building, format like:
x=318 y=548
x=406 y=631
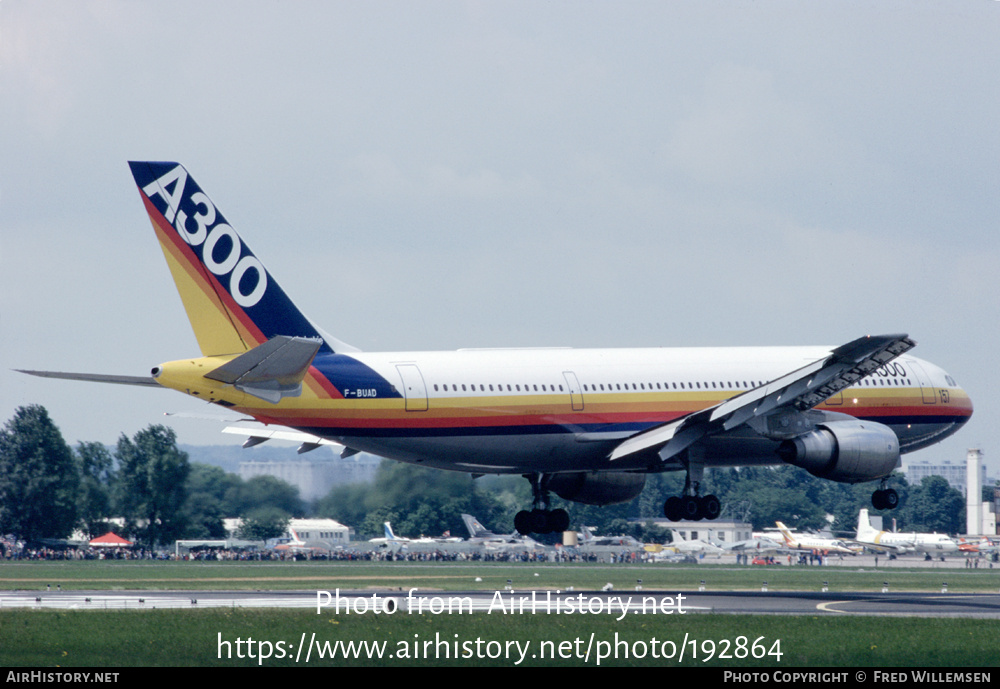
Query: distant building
x=968 y=478
x=315 y=477
x=955 y=473
x=321 y=534
x=721 y=531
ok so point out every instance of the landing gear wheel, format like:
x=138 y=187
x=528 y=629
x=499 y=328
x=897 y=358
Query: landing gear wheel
x=691 y=508
x=522 y=522
x=887 y=499
x=672 y=509
x=891 y=499
x=710 y=507
x=558 y=520
x=539 y=521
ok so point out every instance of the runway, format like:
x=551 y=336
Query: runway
x=611 y=603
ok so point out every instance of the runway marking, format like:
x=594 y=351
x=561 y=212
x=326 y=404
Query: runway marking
x=824 y=606
x=477 y=602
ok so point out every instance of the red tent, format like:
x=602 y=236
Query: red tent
x=110 y=540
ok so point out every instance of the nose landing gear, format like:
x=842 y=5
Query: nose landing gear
x=885 y=498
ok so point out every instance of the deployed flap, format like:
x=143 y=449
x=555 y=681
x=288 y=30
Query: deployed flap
x=272 y=370
x=802 y=389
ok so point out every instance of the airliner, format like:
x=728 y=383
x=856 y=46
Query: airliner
x=585 y=424
x=812 y=543
x=896 y=542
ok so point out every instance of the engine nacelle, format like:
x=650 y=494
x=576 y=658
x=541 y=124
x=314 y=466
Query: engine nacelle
x=846 y=451
x=607 y=488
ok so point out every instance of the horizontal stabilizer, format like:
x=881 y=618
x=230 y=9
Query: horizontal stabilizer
x=272 y=370
x=256 y=436
x=95 y=377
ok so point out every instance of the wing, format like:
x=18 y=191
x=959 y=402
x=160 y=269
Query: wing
x=895 y=548
x=800 y=390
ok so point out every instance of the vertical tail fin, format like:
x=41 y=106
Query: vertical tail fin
x=865 y=527
x=231 y=300
x=785 y=533
x=476 y=530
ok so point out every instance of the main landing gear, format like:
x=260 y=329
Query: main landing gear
x=885 y=498
x=690 y=506
x=541 y=519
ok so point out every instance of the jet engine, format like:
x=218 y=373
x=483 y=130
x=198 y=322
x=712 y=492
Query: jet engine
x=846 y=451
x=606 y=488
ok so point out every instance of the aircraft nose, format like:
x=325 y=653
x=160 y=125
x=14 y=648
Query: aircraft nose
x=961 y=401
x=957 y=401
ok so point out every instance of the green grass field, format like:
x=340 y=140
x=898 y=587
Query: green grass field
x=112 y=639
x=192 y=638
x=149 y=576
x=199 y=576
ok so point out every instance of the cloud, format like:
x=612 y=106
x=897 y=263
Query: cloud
x=741 y=132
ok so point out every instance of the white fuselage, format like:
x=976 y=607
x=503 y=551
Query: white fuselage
x=562 y=410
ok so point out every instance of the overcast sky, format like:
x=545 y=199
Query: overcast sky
x=438 y=175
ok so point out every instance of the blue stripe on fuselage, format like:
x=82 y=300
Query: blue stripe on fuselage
x=354 y=379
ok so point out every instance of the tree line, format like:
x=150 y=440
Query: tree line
x=48 y=489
